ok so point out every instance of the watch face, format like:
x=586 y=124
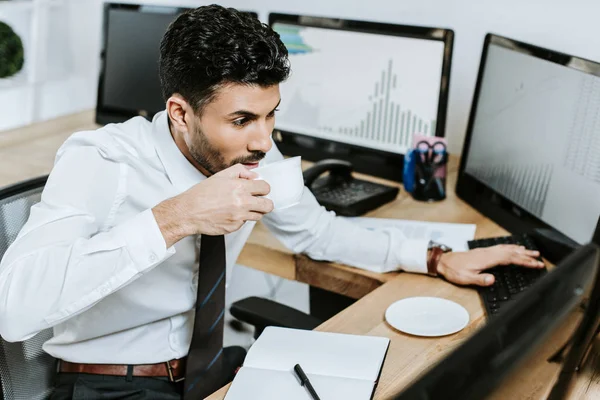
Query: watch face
x=441 y=246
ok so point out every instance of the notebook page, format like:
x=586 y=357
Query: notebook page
x=260 y=384
x=319 y=353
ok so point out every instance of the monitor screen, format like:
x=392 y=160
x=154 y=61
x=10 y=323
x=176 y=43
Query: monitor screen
x=361 y=86
x=533 y=136
x=368 y=89
x=129 y=83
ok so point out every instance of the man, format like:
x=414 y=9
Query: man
x=109 y=258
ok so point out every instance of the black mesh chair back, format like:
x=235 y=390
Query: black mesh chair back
x=26 y=371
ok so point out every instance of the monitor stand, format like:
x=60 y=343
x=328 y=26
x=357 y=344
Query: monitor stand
x=367 y=161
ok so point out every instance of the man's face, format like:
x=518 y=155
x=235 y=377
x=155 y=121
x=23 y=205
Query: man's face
x=234 y=128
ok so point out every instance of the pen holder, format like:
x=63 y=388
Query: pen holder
x=425 y=170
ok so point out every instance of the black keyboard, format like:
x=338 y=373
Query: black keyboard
x=350 y=192
x=354 y=197
x=511 y=280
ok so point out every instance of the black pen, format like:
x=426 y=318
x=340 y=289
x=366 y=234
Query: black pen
x=305 y=382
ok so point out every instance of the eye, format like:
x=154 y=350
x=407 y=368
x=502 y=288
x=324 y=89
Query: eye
x=272 y=113
x=241 y=122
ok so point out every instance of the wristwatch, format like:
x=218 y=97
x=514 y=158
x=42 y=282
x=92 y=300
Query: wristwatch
x=434 y=253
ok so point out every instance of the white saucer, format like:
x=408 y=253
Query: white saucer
x=427 y=316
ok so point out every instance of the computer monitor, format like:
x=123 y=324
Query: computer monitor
x=129 y=83
x=502 y=357
x=530 y=159
x=360 y=90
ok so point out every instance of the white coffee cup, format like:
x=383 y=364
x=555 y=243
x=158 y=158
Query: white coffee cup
x=286 y=181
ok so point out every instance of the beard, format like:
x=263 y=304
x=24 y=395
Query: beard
x=205 y=154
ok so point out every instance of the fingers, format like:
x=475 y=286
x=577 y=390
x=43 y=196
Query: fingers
x=261 y=205
x=253 y=216
x=465 y=277
x=258 y=187
x=513 y=248
x=531 y=253
x=483 y=280
x=526 y=261
x=238 y=171
x=513 y=254
x=519 y=255
x=476 y=279
x=466 y=268
x=246 y=173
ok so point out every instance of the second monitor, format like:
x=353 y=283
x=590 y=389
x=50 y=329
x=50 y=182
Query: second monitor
x=531 y=158
x=360 y=90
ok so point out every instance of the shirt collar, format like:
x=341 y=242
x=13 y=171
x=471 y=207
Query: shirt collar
x=182 y=174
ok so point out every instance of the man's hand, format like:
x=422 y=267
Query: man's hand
x=466 y=268
x=219 y=205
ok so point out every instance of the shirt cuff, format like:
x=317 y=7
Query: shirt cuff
x=144 y=240
x=412 y=255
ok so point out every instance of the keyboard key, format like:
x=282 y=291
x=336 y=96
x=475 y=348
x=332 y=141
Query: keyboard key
x=492 y=297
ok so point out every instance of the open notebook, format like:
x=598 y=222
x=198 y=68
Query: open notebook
x=338 y=366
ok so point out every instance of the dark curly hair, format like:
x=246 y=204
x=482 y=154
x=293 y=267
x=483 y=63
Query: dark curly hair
x=211 y=46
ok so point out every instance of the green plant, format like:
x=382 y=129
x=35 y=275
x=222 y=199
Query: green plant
x=12 y=55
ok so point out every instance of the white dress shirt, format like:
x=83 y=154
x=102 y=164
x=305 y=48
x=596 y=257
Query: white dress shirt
x=92 y=263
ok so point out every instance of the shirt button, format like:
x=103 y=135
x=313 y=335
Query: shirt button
x=152 y=257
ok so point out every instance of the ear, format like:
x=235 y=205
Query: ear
x=180 y=112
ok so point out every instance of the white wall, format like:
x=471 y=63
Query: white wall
x=68 y=48
x=570 y=26
x=76 y=91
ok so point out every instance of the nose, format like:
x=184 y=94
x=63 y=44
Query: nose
x=261 y=138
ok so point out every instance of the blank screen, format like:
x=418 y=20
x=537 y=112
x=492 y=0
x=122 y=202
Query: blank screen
x=131 y=80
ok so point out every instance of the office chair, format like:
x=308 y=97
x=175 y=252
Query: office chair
x=261 y=313
x=27 y=372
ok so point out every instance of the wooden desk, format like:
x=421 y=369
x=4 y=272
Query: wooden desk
x=407 y=356
x=410 y=356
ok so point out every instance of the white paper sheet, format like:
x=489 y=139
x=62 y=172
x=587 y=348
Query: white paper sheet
x=321 y=353
x=262 y=384
x=454 y=235
x=339 y=366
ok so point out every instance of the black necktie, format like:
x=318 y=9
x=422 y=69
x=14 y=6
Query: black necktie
x=204 y=369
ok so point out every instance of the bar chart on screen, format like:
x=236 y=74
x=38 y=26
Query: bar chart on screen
x=525 y=184
x=386 y=122
x=360 y=88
